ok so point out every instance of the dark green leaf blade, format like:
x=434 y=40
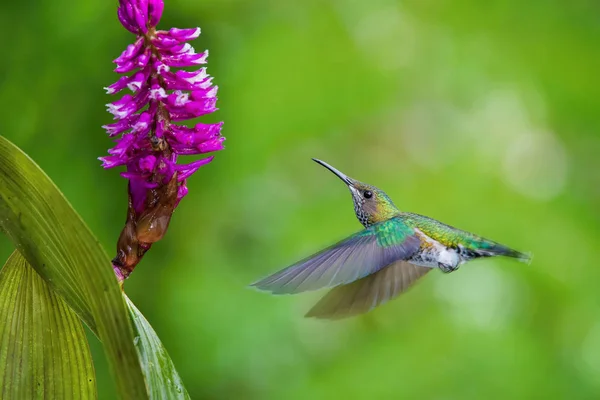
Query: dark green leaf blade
x=59 y=246
x=43 y=347
x=162 y=378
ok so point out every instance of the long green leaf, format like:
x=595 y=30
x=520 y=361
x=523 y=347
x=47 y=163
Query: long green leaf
x=43 y=348
x=162 y=378
x=59 y=246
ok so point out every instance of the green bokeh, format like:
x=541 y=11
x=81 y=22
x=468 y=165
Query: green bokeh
x=481 y=114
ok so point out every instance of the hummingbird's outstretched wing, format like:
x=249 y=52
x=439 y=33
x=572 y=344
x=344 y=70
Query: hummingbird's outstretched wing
x=360 y=255
x=367 y=293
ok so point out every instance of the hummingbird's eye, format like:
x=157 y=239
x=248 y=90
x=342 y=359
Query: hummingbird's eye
x=368 y=194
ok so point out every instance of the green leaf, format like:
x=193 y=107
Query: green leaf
x=59 y=246
x=43 y=347
x=159 y=371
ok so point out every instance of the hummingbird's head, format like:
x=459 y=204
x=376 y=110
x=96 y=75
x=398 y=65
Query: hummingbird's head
x=371 y=204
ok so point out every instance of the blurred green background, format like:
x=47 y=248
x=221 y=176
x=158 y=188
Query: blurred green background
x=484 y=115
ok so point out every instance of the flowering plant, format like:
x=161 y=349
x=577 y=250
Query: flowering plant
x=59 y=277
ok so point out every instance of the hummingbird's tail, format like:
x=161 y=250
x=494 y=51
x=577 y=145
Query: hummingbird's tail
x=487 y=248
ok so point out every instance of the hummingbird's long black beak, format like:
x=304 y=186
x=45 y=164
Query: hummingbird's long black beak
x=349 y=181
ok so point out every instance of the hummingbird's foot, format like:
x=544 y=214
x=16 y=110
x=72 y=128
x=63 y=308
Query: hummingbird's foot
x=447 y=268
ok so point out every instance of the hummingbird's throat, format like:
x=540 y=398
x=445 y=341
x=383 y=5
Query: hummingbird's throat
x=359 y=209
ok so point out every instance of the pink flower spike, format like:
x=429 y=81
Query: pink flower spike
x=149 y=142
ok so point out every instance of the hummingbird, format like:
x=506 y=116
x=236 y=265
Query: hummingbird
x=376 y=264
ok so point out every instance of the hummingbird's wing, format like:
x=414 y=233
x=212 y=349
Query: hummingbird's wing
x=361 y=254
x=367 y=293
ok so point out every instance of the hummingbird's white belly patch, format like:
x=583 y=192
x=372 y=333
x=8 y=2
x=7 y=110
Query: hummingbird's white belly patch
x=434 y=253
